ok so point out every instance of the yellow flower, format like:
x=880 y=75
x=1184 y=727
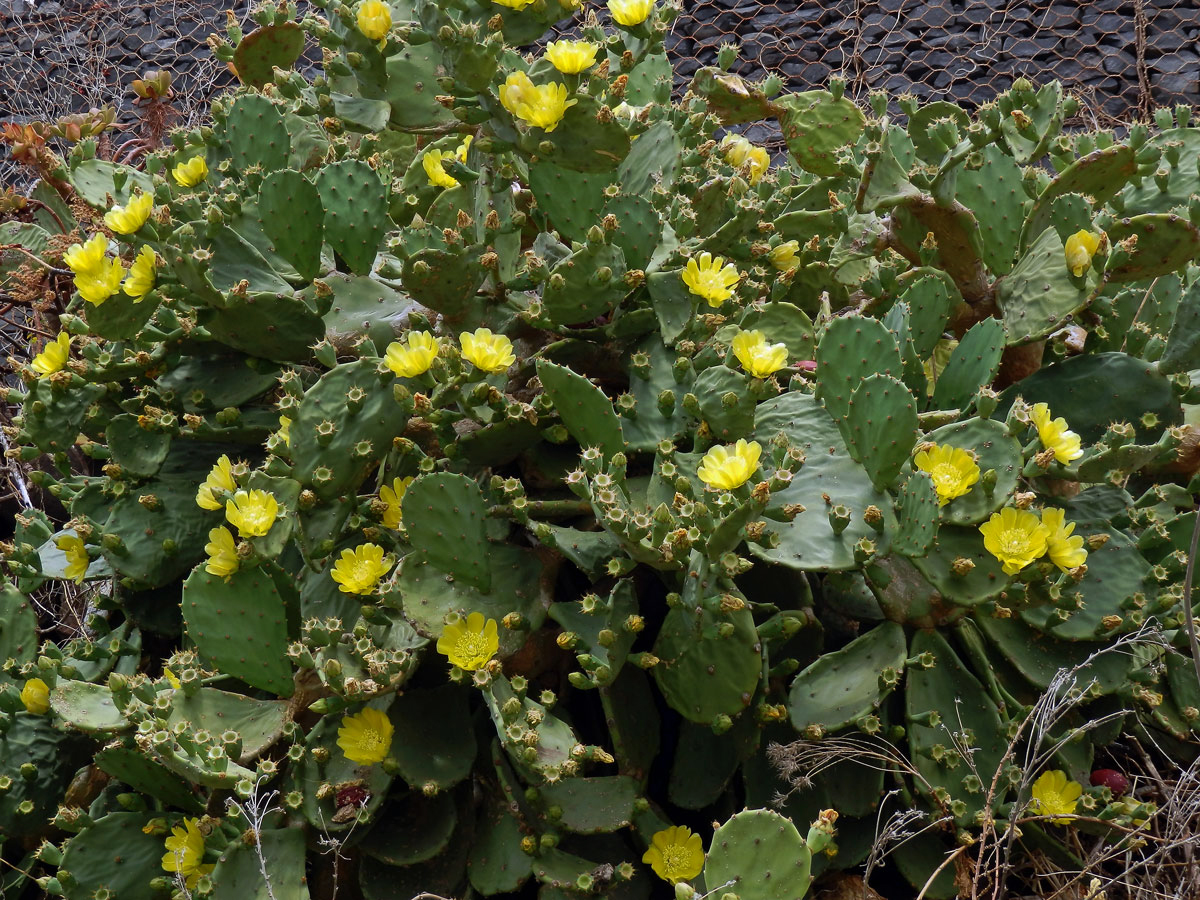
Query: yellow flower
x=711 y=278
x=513 y=4
x=952 y=469
x=357 y=571
x=1055 y=795
x=285 y=430
x=98 y=286
x=392 y=498
x=140 y=279
x=432 y=163
x=1064 y=548
x=252 y=512
x=77 y=556
x=1016 y=537
x=374 y=19
x=36 y=696
x=740 y=152
x=133 y=215
x=517 y=89
x=1080 y=248
x=220 y=477
x=470 y=644
x=675 y=854
x=53 y=356
x=484 y=350
x=1055 y=435
x=87 y=258
x=630 y=12
x=190 y=173
x=172 y=679
x=544 y=106
x=416 y=358
x=185 y=850
x=572 y=57
x=783 y=257
x=464 y=148
x=366 y=737
x=726 y=467
x=222 y=553
x=758 y=357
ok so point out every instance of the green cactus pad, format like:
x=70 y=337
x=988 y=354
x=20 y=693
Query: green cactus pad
x=137 y=450
x=498 y=864
x=704 y=763
x=363 y=306
x=446 y=751
x=160 y=544
x=93 y=179
x=850 y=349
x=240 y=623
x=973 y=364
x=726 y=402
x=885 y=180
x=265 y=49
x=445 y=280
x=1040 y=294
x=572 y=200
x=609 y=652
x=239 y=871
x=761 y=856
x=844 y=686
x=962 y=706
x=257 y=134
x=1147 y=196
x=129 y=766
x=1165 y=243
x=35 y=739
x=555 y=739
x=583 y=142
x=584 y=409
x=18 y=625
x=994 y=192
x=114 y=855
x=633 y=725
x=370 y=427
x=808 y=542
x=411 y=828
x=585 y=292
x=356 y=211
x=993 y=448
x=1039 y=657
x=259 y=722
x=412 y=88
x=592 y=805
x=52 y=424
x=898 y=322
x=1044 y=111
x=701 y=674
x=1070 y=214
x=1183 y=342
x=782 y=323
x=1095 y=390
x=881 y=427
x=926 y=145
x=446 y=516
x=291 y=213
x=639 y=228
x=87 y=707
x=1100 y=175
x=983 y=582
x=916 y=516
x=815 y=126
x=120 y=317
x=517 y=577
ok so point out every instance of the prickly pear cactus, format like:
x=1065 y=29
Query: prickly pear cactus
x=476 y=462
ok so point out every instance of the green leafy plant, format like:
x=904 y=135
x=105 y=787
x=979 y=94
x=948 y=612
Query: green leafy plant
x=490 y=460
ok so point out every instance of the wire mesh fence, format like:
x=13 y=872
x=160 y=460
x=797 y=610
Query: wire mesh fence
x=1120 y=58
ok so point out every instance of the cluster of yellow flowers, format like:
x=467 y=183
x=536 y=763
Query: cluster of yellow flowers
x=434 y=164
x=1017 y=537
x=53 y=356
x=491 y=353
x=97 y=276
x=739 y=152
x=542 y=106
